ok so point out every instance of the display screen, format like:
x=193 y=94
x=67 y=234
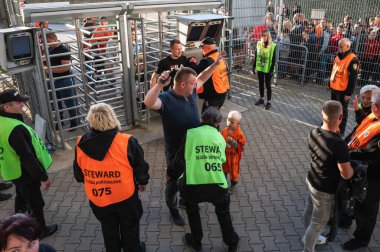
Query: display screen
x=195 y=33
x=21 y=47
x=212 y=30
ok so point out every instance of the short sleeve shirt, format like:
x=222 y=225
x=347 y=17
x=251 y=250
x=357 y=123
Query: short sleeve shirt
x=327 y=149
x=178 y=115
x=172 y=65
x=57 y=61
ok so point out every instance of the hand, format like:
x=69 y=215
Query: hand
x=142 y=188
x=164 y=78
x=220 y=57
x=193 y=60
x=229 y=139
x=46 y=184
x=355 y=102
x=347 y=98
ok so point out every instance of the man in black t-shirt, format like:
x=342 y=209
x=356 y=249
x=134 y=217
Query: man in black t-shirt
x=330 y=160
x=171 y=63
x=60 y=68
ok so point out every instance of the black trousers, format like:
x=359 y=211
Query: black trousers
x=265 y=78
x=171 y=188
x=121 y=224
x=366 y=213
x=222 y=210
x=339 y=96
x=29 y=200
x=214 y=102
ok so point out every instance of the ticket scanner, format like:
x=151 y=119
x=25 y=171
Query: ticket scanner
x=194 y=28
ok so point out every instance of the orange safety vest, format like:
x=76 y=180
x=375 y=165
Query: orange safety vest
x=219 y=77
x=369 y=128
x=111 y=180
x=339 y=75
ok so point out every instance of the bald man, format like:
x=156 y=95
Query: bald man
x=343 y=78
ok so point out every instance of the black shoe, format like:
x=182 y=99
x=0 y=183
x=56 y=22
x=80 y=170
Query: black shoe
x=232 y=248
x=177 y=218
x=188 y=240
x=73 y=126
x=181 y=203
x=259 y=102
x=5 y=196
x=5 y=185
x=142 y=247
x=49 y=230
x=353 y=244
x=268 y=106
x=345 y=224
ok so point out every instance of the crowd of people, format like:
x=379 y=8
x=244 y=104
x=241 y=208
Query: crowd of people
x=314 y=42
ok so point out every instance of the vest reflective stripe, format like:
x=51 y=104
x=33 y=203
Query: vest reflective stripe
x=204 y=156
x=339 y=75
x=10 y=165
x=219 y=77
x=265 y=54
x=111 y=180
x=369 y=128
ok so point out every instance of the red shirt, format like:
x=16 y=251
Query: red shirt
x=371 y=49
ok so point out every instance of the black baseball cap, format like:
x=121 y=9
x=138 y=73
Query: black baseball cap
x=208 y=41
x=10 y=95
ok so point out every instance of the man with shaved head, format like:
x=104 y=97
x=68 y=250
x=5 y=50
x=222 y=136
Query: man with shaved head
x=330 y=160
x=343 y=78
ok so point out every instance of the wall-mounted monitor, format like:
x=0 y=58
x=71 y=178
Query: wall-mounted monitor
x=19 y=46
x=213 y=28
x=195 y=32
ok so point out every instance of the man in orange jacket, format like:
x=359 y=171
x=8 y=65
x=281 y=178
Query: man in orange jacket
x=343 y=78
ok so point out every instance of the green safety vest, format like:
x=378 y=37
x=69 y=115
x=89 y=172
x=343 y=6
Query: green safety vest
x=10 y=165
x=204 y=156
x=264 y=57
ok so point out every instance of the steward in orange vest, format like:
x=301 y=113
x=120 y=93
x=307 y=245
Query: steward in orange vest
x=214 y=90
x=365 y=146
x=112 y=167
x=343 y=78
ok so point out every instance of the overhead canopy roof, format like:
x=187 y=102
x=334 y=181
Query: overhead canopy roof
x=62 y=10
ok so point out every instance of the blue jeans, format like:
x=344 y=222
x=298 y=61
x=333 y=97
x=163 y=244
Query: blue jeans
x=319 y=207
x=66 y=93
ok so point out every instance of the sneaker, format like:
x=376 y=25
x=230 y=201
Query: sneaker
x=231 y=189
x=142 y=247
x=49 y=230
x=268 y=106
x=5 y=185
x=321 y=240
x=259 y=102
x=5 y=196
x=353 y=244
x=177 y=218
x=188 y=240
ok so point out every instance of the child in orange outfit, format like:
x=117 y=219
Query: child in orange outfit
x=235 y=139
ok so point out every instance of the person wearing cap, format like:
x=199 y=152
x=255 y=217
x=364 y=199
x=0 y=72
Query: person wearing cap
x=112 y=167
x=24 y=159
x=214 y=91
x=179 y=112
x=171 y=63
x=202 y=155
x=364 y=145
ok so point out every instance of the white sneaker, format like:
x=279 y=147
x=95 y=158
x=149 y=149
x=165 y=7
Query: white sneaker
x=321 y=240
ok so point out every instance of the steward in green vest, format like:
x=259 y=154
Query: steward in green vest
x=265 y=59
x=202 y=156
x=24 y=158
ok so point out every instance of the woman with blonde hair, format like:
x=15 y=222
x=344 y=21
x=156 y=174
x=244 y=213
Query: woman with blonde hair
x=265 y=57
x=112 y=167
